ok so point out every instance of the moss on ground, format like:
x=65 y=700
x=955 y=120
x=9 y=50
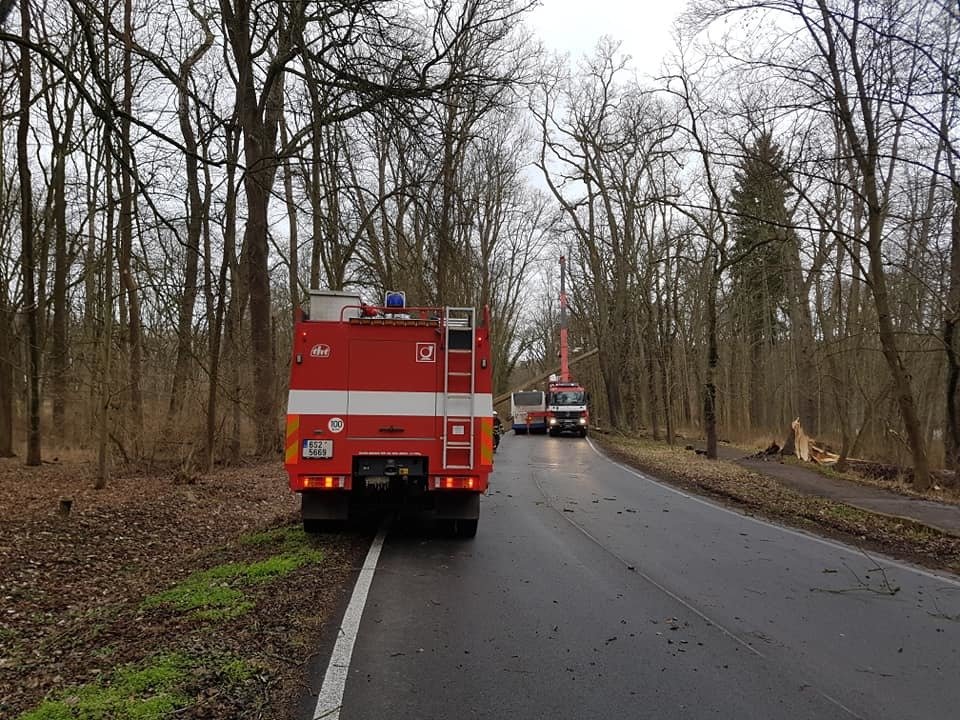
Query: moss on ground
x=151 y=690
x=216 y=594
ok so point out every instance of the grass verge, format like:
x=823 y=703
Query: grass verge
x=148 y=692
x=767 y=496
x=159 y=687
x=216 y=594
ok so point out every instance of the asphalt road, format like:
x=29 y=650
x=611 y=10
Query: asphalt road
x=594 y=592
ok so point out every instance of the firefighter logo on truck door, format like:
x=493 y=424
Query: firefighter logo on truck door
x=426 y=352
x=321 y=350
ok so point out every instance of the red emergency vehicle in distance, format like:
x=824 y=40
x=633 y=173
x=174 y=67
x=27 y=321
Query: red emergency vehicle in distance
x=566 y=400
x=389 y=404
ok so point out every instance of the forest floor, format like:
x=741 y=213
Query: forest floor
x=155 y=597
x=803 y=498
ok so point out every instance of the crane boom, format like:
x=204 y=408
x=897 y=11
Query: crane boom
x=564 y=364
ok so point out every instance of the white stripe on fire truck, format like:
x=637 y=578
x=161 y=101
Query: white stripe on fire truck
x=382 y=402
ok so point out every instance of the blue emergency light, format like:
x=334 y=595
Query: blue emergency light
x=395 y=299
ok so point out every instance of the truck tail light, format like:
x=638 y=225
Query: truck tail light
x=449 y=482
x=325 y=482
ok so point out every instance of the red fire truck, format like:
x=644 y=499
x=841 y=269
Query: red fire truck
x=389 y=404
x=566 y=400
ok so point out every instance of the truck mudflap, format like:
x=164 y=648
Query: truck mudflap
x=457 y=505
x=326 y=505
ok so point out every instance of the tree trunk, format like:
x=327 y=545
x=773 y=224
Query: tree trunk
x=804 y=343
x=259 y=119
x=888 y=343
x=651 y=373
x=713 y=359
x=59 y=355
x=106 y=313
x=106 y=306
x=195 y=218
x=127 y=277
x=90 y=290
x=294 y=260
x=445 y=256
x=261 y=334
x=863 y=138
x=216 y=336
x=238 y=292
x=27 y=250
x=6 y=381
x=951 y=434
x=756 y=390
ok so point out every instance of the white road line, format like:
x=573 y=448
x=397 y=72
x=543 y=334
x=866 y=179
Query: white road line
x=330 y=699
x=789 y=531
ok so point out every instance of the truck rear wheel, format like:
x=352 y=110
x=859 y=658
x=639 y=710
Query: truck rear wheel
x=465 y=528
x=312 y=526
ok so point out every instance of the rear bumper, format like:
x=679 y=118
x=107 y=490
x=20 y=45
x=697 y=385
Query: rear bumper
x=340 y=504
x=523 y=427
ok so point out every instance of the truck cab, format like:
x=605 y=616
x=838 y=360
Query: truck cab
x=567 y=409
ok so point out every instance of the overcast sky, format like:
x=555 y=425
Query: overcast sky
x=643 y=26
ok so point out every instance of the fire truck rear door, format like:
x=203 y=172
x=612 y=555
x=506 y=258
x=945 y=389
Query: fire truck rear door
x=393 y=389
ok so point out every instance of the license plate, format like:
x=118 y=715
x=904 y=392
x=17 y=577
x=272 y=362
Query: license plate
x=318 y=449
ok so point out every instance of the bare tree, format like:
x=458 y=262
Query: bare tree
x=28 y=256
x=196 y=209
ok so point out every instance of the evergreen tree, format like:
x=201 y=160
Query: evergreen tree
x=761 y=235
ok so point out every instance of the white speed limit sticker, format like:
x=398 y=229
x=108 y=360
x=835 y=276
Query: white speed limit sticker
x=335 y=425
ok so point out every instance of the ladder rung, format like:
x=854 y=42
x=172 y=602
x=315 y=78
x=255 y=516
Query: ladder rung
x=460 y=395
x=459 y=445
x=459 y=374
x=457 y=467
x=459 y=351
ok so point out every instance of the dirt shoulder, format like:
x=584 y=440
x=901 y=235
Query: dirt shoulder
x=152 y=597
x=756 y=490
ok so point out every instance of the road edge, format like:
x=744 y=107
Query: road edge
x=330 y=698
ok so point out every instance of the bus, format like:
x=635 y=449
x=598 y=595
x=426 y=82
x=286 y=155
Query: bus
x=529 y=411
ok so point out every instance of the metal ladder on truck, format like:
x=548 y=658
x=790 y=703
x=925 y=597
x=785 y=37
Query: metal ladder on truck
x=458 y=406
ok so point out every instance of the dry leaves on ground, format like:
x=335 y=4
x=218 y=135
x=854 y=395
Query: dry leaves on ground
x=72 y=588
